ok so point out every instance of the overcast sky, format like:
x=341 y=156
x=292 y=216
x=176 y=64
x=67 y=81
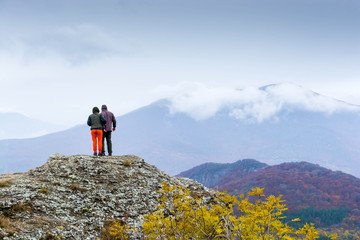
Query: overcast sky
x=59 y=58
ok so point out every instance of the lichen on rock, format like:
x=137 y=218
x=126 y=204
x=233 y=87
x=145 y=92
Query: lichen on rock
x=71 y=197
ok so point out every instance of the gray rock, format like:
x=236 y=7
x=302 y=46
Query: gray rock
x=71 y=197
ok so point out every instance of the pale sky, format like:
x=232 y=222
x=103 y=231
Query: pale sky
x=59 y=58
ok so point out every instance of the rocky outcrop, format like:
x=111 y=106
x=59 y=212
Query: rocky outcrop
x=71 y=197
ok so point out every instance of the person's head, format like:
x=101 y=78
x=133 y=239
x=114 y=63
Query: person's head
x=104 y=107
x=95 y=110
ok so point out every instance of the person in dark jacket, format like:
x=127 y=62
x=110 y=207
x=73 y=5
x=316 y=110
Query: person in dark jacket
x=108 y=128
x=96 y=122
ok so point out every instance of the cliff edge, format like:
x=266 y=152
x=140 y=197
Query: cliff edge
x=71 y=197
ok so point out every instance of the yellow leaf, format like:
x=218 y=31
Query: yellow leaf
x=256 y=192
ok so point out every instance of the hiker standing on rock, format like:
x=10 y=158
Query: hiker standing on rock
x=96 y=122
x=108 y=128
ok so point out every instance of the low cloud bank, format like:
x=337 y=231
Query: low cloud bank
x=251 y=104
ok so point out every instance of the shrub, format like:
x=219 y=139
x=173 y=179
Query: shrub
x=49 y=236
x=74 y=187
x=85 y=210
x=179 y=216
x=115 y=230
x=5 y=183
x=7 y=226
x=4 y=222
x=44 y=190
x=127 y=163
x=16 y=208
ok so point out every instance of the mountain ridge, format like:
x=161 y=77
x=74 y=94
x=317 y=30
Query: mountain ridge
x=174 y=141
x=17 y=126
x=212 y=174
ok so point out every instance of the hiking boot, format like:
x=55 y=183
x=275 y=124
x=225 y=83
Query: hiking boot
x=95 y=153
x=101 y=154
x=110 y=154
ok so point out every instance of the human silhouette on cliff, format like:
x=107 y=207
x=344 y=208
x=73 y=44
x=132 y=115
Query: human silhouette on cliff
x=108 y=128
x=96 y=121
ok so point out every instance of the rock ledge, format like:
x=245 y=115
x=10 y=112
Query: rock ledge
x=72 y=196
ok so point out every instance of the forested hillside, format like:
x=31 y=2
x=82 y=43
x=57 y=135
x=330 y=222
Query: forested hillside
x=313 y=193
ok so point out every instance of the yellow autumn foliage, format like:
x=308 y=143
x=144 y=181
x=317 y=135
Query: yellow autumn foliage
x=180 y=216
x=116 y=230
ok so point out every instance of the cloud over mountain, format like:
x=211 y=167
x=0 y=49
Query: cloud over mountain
x=253 y=104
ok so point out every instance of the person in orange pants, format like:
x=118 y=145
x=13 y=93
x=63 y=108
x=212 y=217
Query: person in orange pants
x=97 y=135
x=96 y=121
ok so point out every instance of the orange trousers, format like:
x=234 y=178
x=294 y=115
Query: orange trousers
x=97 y=135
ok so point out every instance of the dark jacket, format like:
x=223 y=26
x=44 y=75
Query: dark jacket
x=96 y=121
x=110 y=119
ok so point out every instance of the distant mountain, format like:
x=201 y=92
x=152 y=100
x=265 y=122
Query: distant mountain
x=15 y=125
x=274 y=124
x=215 y=174
x=303 y=185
